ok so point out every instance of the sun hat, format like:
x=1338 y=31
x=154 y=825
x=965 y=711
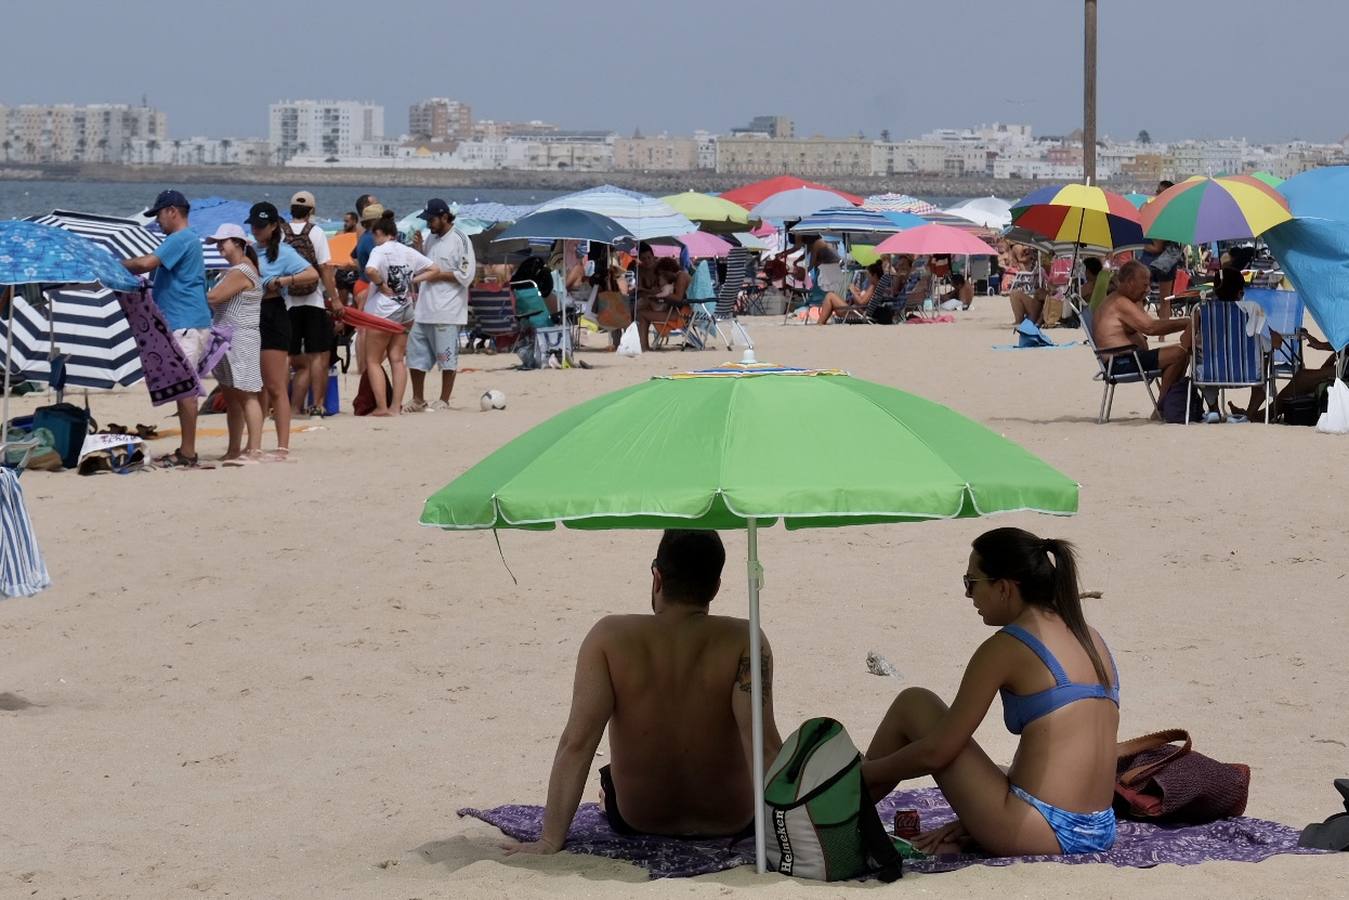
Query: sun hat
x=227 y=230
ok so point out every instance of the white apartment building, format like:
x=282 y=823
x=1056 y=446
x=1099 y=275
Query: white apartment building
x=328 y=128
x=67 y=133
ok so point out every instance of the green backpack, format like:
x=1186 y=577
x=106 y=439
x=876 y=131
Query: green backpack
x=821 y=822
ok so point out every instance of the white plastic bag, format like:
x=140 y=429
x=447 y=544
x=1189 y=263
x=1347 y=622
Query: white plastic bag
x=630 y=344
x=1335 y=420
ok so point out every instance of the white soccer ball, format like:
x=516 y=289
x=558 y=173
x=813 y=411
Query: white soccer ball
x=492 y=399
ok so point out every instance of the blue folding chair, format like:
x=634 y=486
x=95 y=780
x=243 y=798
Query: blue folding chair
x=1284 y=313
x=1225 y=355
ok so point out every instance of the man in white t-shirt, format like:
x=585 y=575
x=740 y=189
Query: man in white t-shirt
x=442 y=307
x=311 y=328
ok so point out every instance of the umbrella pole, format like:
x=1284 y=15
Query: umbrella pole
x=9 y=365
x=756 y=694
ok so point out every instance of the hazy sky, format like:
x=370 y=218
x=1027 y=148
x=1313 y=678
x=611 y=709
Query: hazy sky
x=1200 y=68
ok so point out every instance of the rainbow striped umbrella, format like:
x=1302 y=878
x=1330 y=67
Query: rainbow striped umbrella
x=1138 y=200
x=1080 y=214
x=1202 y=209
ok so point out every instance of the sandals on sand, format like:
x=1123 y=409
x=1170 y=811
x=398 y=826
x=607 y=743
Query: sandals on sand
x=415 y=406
x=178 y=460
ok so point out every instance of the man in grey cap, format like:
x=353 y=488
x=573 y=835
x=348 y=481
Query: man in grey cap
x=442 y=307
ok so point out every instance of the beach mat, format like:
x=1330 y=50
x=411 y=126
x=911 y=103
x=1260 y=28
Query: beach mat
x=1137 y=845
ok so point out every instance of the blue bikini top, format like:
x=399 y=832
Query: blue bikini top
x=1019 y=710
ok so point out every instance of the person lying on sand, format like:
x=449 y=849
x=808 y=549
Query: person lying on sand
x=1060 y=693
x=673 y=688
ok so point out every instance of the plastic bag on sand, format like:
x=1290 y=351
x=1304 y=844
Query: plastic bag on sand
x=630 y=345
x=1335 y=420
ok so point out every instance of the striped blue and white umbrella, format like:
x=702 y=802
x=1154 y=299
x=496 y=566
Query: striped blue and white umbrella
x=87 y=327
x=491 y=212
x=123 y=238
x=639 y=215
x=850 y=220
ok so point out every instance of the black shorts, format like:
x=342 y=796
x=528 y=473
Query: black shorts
x=274 y=325
x=311 y=331
x=618 y=825
x=1124 y=363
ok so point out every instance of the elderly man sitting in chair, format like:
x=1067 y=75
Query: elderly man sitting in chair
x=1120 y=325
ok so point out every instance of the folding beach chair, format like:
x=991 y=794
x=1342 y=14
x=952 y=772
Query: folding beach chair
x=879 y=300
x=1283 y=313
x=491 y=318
x=1113 y=371
x=720 y=321
x=1225 y=355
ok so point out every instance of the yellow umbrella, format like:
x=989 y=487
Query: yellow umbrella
x=711 y=213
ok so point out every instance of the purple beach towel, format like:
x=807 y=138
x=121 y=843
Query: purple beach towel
x=169 y=375
x=1137 y=845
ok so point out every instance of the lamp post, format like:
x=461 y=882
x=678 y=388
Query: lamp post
x=1089 y=94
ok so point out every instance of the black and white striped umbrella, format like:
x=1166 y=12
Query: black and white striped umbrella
x=89 y=329
x=124 y=238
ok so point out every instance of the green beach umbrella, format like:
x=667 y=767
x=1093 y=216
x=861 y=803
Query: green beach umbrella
x=711 y=213
x=723 y=449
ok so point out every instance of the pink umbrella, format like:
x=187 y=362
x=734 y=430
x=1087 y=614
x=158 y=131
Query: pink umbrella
x=925 y=240
x=703 y=245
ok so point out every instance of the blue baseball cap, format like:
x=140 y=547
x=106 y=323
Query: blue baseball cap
x=435 y=207
x=167 y=199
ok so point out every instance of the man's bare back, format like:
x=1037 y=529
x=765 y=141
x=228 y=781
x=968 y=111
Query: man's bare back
x=1115 y=324
x=673 y=688
x=679 y=762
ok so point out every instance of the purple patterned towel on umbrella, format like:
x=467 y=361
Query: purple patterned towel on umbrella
x=1137 y=845
x=169 y=375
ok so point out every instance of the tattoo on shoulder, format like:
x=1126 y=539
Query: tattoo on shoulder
x=743 y=677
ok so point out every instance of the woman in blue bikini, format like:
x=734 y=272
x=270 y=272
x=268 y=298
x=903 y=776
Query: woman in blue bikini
x=1060 y=693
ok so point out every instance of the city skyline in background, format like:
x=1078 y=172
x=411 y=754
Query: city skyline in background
x=1178 y=71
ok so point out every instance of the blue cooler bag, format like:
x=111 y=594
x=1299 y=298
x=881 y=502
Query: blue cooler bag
x=68 y=424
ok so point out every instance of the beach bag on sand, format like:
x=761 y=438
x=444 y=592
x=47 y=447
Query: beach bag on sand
x=611 y=311
x=1157 y=781
x=363 y=404
x=1173 y=404
x=821 y=822
x=1335 y=420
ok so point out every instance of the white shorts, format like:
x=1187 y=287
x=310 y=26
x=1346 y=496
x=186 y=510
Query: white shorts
x=194 y=343
x=430 y=345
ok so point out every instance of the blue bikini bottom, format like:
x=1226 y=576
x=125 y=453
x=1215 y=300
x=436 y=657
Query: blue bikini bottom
x=1076 y=832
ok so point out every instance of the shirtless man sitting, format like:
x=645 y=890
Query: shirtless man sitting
x=674 y=690
x=1121 y=322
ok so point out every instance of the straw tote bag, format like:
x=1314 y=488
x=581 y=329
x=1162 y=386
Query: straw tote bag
x=1159 y=782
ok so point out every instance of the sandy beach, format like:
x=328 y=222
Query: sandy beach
x=271 y=682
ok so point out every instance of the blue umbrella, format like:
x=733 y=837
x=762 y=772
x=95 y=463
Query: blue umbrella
x=641 y=216
x=852 y=220
x=794 y=203
x=43 y=254
x=1313 y=248
x=34 y=256
x=566 y=225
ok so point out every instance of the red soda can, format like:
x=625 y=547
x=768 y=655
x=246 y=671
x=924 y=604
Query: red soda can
x=907 y=824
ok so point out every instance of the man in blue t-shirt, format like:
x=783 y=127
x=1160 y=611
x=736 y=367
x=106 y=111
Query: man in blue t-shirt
x=180 y=294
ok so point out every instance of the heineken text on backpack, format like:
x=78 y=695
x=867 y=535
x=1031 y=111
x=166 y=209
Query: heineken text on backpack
x=820 y=819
